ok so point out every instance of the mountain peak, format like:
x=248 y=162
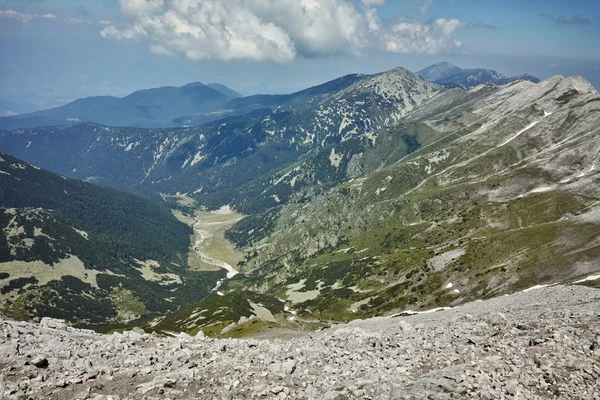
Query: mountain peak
x=193 y=84
x=581 y=84
x=439 y=71
x=569 y=83
x=227 y=91
x=444 y=64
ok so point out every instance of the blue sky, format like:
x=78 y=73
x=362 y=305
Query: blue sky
x=53 y=51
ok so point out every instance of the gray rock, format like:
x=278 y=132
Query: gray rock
x=406 y=327
x=363 y=359
x=40 y=362
x=496 y=319
x=228 y=328
x=52 y=323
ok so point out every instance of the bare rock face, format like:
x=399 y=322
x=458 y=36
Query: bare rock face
x=532 y=345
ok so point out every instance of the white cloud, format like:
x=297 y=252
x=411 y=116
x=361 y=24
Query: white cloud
x=430 y=38
x=369 y=3
x=260 y=30
x=158 y=49
x=104 y=22
x=23 y=17
x=12 y=14
x=426 y=6
x=272 y=30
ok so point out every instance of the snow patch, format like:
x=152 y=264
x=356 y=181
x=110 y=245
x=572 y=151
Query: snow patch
x=410 y=312
x=589 y=278
x=197 y=158
x=542 y=189
x=84 y=234
x=528 y=127
x=380 y=190
x=536 y=287
x=335 y=159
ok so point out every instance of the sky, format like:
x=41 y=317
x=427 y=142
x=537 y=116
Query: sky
x=54 y=51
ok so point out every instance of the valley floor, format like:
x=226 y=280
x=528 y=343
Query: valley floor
x=210 y=250
x=542 y=343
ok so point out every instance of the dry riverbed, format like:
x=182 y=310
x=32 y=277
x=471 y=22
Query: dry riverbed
x=209 y=250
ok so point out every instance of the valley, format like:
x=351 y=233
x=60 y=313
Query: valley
x=210 y=250
x=370 y=200
x=365 y=196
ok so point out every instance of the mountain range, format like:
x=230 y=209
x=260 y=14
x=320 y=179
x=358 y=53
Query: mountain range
x=450 y=76
x=366 y=195
x=196 y=104
x=150 y=107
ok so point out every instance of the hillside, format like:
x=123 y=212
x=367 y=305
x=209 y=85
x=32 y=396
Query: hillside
x=497 y=195
x=88 y=254
x=151 y=108
x=232 y=94
x=452 y=76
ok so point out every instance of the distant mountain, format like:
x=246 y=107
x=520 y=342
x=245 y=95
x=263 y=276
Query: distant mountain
x=151 y=107
x=439 y=71
x=214 y=162
x=92 y=255
x=232 y=94
x=451 y=76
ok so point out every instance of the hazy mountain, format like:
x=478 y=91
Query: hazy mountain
x=88 y=254
x=439 y=71
x=151 y=107
x=450 y=75
x=216 y=160
x=232 y=94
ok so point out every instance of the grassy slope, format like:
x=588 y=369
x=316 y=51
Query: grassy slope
x=118 y=227
x=397 y=237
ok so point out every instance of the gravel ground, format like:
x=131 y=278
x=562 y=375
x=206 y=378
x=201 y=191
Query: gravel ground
x=538 y=344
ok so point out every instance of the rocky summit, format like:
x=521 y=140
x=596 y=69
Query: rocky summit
x=541 y=343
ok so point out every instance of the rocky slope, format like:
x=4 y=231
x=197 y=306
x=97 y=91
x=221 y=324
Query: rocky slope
x=538 y=344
